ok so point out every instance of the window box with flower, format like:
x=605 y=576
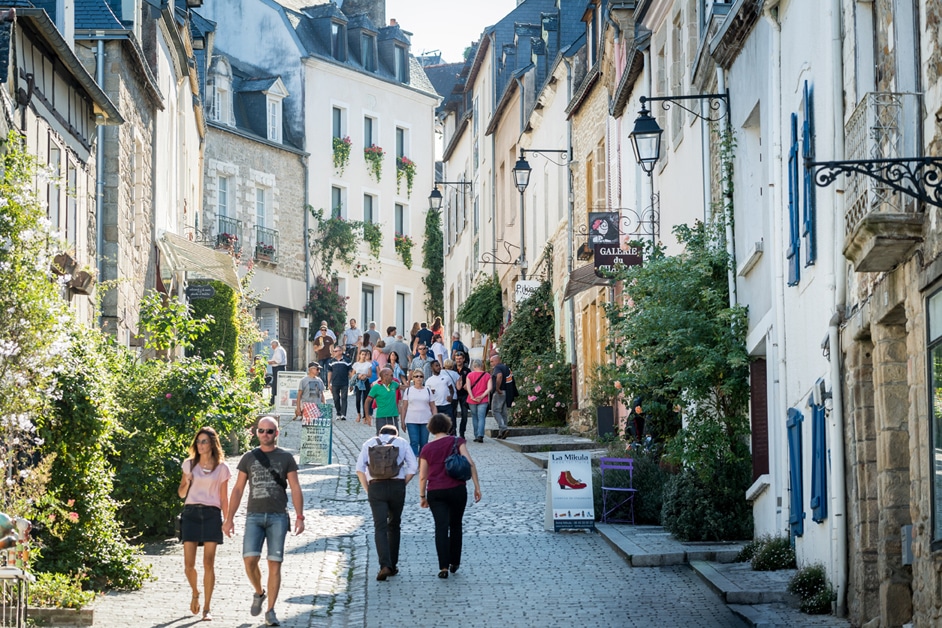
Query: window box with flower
x=405 y=167
x=404 y=244
x=265 y=252
x=374 y=160
x=226 y=241
x=342 y=146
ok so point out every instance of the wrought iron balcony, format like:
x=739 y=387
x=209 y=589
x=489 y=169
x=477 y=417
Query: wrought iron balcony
x=881 y=224
x=266 y=245
x=229 y=234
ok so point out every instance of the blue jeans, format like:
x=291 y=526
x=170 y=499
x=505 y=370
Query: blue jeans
x=418 y=437
x=265 y=526
x=478 y=414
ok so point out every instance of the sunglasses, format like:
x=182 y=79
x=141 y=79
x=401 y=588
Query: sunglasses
x=203 y=441
x=268 y=431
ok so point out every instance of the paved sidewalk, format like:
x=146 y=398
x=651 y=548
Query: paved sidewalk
x=513 y=573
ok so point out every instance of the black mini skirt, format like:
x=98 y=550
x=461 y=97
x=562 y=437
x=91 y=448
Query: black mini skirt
x=201 y=524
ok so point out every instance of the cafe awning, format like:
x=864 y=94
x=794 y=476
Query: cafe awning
x=182 y=255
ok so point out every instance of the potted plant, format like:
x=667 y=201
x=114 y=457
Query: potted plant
x=405 y=167
x=374 y=160
x=226 y=240
x=403 y=244
x=342 y=153
x=264 y=251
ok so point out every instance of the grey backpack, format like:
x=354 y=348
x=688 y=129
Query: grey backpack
x=383 y=461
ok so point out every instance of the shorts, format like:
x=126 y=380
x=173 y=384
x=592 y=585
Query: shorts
x=265 y=526
x=201 y=524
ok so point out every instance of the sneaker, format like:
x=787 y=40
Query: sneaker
x=270 y=619
x=257 y=599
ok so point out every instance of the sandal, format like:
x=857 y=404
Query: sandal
x=443 y=574
x=195 y=603
x=207 y=616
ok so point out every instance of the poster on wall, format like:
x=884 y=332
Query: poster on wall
x=287 y=398
x=603 y=228
x=317 y=434
x=569 y=504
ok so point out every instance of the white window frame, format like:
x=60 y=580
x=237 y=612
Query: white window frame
x=274 y=119
x=261 y=207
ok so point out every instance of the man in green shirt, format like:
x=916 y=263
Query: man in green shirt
x=384 y=392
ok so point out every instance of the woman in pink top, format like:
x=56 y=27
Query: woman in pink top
x=479 y=388
x=378 y=356
x=205 y=488
x=443 y=494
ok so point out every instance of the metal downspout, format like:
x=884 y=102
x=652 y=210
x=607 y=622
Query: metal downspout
x=777 y=339
x=493 y=177
x=307 y=252
x=571 y=331
x=100 y=176
x=836 y=279
x=727 y=198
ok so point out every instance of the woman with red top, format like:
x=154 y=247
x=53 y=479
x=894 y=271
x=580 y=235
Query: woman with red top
x=478 y=385
x=444 y=495
x=204 y=487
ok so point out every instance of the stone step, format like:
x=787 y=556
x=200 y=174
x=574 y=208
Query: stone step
x=548 y=442
x=516 y=432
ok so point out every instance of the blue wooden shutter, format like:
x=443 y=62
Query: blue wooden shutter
x=796 y=516
x=819 y=466
x=808 y=201
x=794 y=243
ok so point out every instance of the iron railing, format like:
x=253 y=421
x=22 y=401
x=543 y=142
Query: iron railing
x=266 y=245
x=229 y=234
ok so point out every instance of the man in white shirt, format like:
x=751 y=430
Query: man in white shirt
x=351 y=340
x=387 y=498
x=443 y=389
x=278 y=362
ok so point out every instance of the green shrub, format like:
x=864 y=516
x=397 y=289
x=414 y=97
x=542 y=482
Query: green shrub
x=58 y=590
x=748 y=551
x=775 y=553
x=710 y=509
x=812 y=586
x=163 y=405
x=531 y=329
x=544 y=382
x=483 y=309
x=325 y=303
x=223 y=333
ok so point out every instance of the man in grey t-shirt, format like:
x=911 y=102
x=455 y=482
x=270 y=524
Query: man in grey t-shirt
x=268 y=471
x=310 y=389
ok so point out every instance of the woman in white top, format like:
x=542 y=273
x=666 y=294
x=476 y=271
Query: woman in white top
x=362 y=369
x=439 y=352
x=415 y=409
x=204 y=487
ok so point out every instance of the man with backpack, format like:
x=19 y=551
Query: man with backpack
x=386 y=464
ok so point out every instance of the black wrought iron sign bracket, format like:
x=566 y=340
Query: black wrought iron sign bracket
x=919 y=177
x=716 y=103
x=492 y=257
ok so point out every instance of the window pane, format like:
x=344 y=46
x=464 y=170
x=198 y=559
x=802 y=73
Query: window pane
x=367 y=208
x=338 y=128
x=400 y=219
x=367 y=132
x=336 y=202
x=260 y=214
x=935 y=316
x=222 y=204
x=935 y=362
x=400 y=142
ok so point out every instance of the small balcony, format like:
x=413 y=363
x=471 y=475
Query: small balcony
x=229 y=235
x=881 y=225
x=266 y=245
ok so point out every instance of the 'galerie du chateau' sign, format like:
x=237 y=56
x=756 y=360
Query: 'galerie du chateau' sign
x=608 y=256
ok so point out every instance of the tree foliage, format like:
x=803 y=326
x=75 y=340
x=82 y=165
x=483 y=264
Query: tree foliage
x=222 y=329
x=433 y=259
x=483 y=310
x=325 y=303
x=531 y=330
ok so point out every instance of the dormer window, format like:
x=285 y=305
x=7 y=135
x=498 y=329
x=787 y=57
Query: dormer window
x=402 y=65
x=221 y=91
x=368 y=52
x=337 y=41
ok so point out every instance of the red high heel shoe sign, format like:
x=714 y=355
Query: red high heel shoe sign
x=569 y=503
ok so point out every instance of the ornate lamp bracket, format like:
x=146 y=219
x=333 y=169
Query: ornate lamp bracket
x=716 y=104
x=919 y=177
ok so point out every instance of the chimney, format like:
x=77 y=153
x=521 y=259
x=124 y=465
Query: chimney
x=374 y=9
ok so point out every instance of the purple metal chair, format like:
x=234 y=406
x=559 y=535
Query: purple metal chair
x=622 y=496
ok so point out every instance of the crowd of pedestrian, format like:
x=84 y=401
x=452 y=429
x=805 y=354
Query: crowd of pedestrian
x=421 y=385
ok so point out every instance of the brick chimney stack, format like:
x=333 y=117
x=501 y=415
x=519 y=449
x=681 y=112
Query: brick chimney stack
x=374 y=9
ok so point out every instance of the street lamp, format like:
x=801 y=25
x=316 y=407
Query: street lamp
x=435 y=197
x=521 y=172
x=646 y=136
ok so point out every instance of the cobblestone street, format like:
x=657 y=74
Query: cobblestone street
x=513 y=573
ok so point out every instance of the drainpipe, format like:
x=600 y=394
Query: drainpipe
x=307 y=252
x=777 y=338
x=571 y=306
x=100 y=175
x=727 y=198
x=493 y=177
x=836 y=279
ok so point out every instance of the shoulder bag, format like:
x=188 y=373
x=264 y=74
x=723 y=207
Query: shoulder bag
x=265 y=462
x=178 y=521
x=457 y=466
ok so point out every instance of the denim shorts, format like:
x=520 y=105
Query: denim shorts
x=265 y=526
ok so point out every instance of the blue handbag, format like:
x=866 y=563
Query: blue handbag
x=457 y=467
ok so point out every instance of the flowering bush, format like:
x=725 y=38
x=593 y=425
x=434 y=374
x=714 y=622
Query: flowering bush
x=342 y=153
x=544 y=381
x=405 y=167
x=374 y=160
x=403 y=244
x=325 y=303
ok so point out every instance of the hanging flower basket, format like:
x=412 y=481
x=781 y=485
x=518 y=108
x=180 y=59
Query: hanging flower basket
x=374 y=161
x=405 y=167
x=342 y=147
x=403 y=244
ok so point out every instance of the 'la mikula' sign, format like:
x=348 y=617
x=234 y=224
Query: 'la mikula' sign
x=608 y=256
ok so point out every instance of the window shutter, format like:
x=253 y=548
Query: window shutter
x=601 y=193
x=819 y=465
x=808 y=207
x=796 y=516
x=794 y=244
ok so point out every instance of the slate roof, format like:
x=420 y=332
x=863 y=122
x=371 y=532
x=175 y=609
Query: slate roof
x=444 y=77
x=95 y=15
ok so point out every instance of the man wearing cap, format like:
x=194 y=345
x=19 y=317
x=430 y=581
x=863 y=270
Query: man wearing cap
x=387 y=498
x=310 y=389
x=324 y=339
